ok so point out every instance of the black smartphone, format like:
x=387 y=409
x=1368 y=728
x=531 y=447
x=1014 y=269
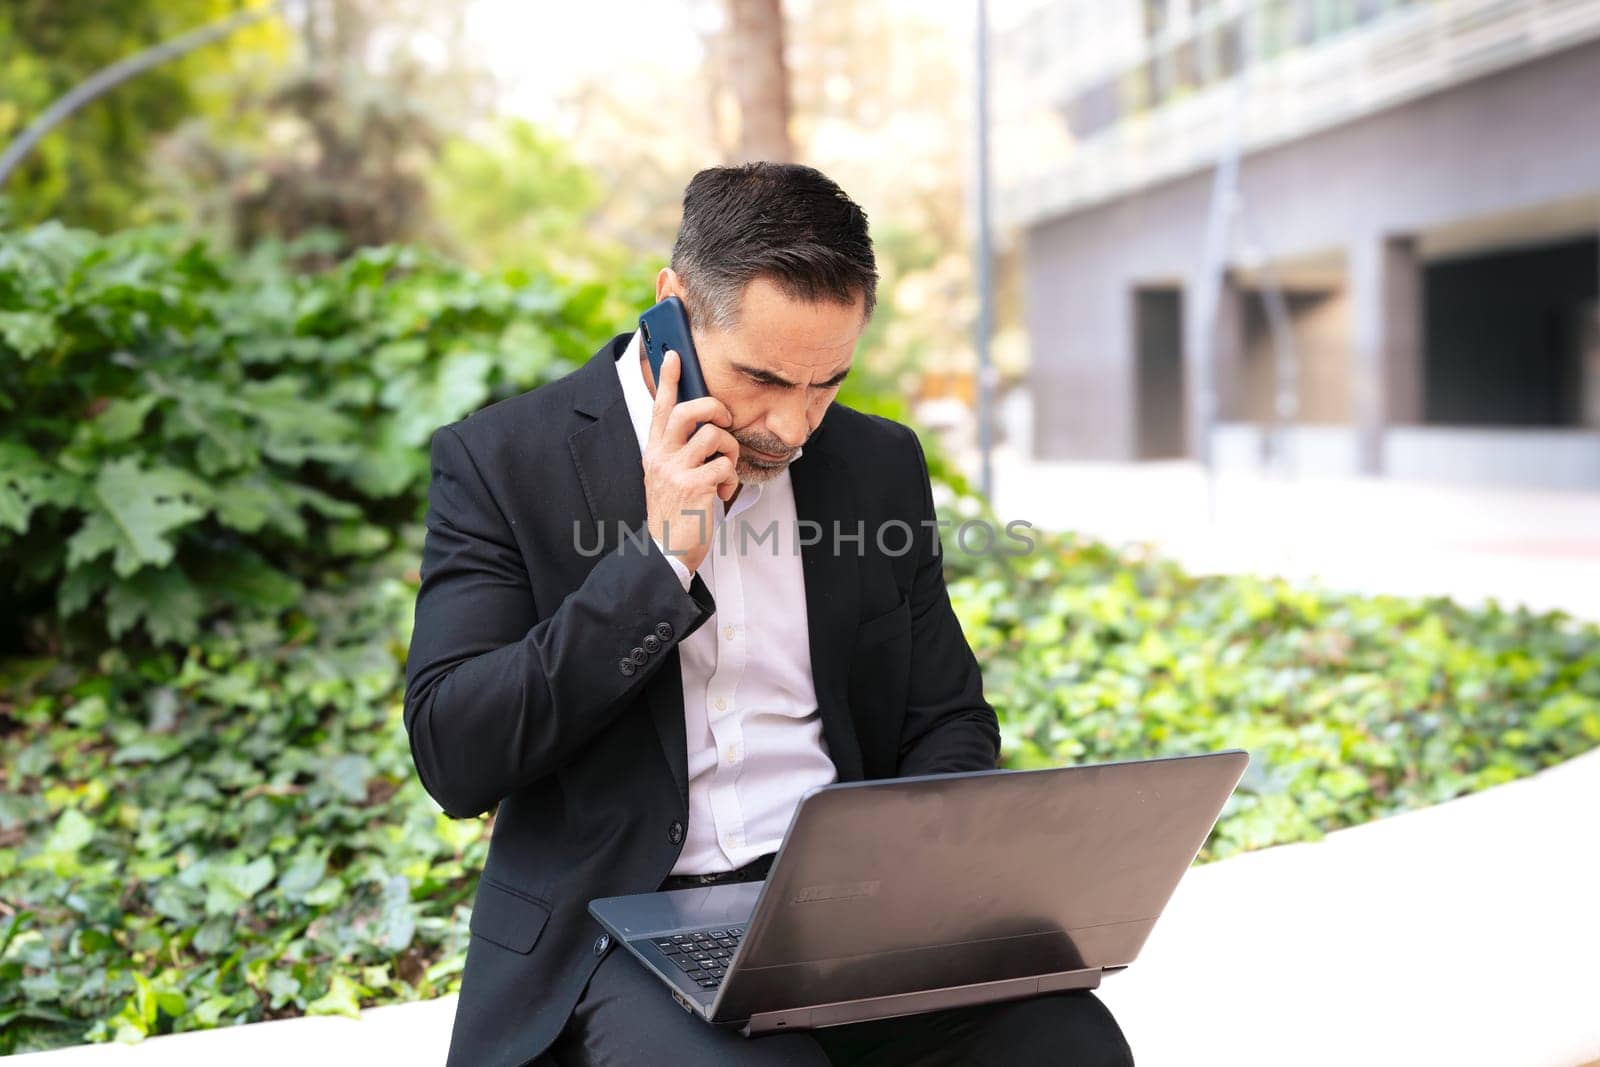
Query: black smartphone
x=664 y=326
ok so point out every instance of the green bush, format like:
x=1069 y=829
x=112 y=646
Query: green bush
x=225 y=832
x=208 y=813
x=1352 y=707
x=185 y=436
x=212 y=475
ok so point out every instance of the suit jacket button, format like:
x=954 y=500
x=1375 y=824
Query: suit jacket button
x=601 y=943
x=638 y=656
x=652 y=643
x=664 y=631
x=626 y=667
x=675 y=832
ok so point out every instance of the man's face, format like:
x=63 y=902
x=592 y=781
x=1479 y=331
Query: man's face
x=777 y=369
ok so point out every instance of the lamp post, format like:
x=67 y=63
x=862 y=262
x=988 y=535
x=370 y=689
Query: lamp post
x=985 y=282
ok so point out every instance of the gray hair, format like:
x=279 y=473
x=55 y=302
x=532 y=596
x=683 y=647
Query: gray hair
x=785 y=222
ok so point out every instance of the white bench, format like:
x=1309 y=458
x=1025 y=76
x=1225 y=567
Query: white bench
x=1464 y=934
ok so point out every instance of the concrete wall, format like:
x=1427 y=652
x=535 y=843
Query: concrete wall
x=1554 y=459
x=1510 y=141
x=1558 y=459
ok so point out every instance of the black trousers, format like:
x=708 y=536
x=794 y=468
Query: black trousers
x=627 y=1017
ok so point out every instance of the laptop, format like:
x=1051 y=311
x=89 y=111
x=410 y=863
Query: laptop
x=907 y=895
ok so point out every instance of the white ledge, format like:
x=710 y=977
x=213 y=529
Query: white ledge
x=1465 y=934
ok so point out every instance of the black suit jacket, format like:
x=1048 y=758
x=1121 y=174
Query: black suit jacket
x=539 y=581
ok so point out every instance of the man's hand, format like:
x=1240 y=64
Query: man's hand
x=680 y=487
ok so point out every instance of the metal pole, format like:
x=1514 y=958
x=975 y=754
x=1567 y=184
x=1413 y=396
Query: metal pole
x=985 y=282
x=1286 y=390
x=108 y=78
x=1225 y=204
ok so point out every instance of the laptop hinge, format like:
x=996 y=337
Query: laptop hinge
x=840 y=1012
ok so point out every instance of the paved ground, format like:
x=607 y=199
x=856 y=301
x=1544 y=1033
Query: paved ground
x=1466 y=935
x=1522 y=546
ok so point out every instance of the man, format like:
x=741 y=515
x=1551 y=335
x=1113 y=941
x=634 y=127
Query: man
x=646 y=628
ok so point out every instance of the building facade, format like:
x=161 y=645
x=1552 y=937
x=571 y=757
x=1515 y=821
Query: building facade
x=1402 y=277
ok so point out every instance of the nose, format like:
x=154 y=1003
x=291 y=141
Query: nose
x=787 y=420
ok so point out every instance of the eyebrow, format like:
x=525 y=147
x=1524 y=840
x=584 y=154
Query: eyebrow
x=766 y=377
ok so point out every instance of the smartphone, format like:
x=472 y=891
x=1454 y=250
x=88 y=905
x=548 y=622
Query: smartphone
x=664 y=326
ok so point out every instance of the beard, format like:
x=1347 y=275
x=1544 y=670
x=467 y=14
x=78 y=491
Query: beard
x=755 y=470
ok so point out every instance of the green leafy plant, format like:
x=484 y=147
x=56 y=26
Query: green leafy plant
x=221 y=833
x=185 y=436
x=1352 y=707
x=212 y=474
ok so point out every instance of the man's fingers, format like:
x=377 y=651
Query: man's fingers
x=709 y=440
x=730 y=478
x=684 y=417
x=722 y=473
x=666 y=394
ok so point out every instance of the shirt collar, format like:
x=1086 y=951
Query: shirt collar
x=634 y=392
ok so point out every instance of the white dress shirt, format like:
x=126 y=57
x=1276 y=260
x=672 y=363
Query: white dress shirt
x=755 y=740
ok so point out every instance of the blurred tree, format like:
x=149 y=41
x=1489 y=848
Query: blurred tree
x=335 y=152
x=639 y=155
x=518 y=197
x=90 y=171
x=880 y=105
x=343 y=138
x=760 y=78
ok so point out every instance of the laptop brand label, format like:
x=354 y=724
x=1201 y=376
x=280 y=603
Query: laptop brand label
x=836 y=891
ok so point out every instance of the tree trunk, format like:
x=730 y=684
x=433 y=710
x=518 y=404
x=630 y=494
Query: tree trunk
x=760 y=79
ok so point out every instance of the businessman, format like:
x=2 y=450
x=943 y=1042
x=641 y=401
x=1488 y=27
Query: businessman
x=646 y=628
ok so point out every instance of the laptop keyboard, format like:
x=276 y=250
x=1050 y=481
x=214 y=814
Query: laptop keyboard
x=703 y=955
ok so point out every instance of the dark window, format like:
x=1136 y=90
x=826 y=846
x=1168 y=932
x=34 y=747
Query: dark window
x=1162 y=408
x=1504 y=344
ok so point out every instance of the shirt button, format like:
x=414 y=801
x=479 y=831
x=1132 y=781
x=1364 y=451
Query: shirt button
x=675 y=832
x=730 y=633
x=601 y=943
x=731 y=753
x=722 y=705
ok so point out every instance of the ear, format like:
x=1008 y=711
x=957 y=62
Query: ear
x=668 y=284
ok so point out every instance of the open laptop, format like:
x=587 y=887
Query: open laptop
x=907 y=895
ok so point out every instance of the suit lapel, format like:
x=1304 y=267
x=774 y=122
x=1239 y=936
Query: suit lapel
x=606 y=454
x=606 y=451
x=823 y=496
